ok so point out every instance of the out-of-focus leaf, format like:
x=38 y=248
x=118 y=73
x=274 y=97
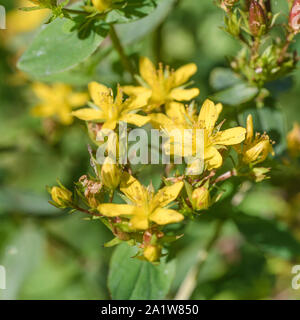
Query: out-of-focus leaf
x=222 y=78
x=270 y=236
x=12 y=200
x=133 y=10
x=130 y=278
x=58 y=47
x=134 y=31
x=236 y=95
x=21 y=256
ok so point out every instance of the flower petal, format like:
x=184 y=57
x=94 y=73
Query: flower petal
x=148 y=71
x=139 y=222
x=88 y=114
x=208 y=114
x=132 y=188
x=184 y=94
x=78 y=99
x=183 y=74
x=213 y=158
x=166 y=216
x=43 y=110
x=166 y=195
x=230 y=136
x=160 y=120
x=115 y=210
x=176 y=112
x=42 y=91
x=100 y=93
x=135 y=119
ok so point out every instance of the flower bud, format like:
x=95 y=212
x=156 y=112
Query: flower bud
x=102 y=5
x=293 y=140
x=257 y=19
x=259 y=151
x=61 y=196
x=110 y=175
x=260 y=174
x=200 y=198
x=152 y=253
x=294 y=19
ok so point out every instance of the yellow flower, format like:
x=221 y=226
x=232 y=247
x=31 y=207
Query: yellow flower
x=19 y=21
x=163 y=86
x=256 y=149
x=213 y=139
x=102 y=5
x=61 y=196
x=146 y=206
x=110 y=111
x=201 y=198
x=152 y=253
x=293 y=140
x=110 y=175
x=58 y=100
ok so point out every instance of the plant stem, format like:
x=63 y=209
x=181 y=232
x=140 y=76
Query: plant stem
x=87 y=211
x=190 y=282
x=118 y=46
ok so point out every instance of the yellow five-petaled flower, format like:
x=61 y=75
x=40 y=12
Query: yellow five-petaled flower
x=57 y=100
x=163 y=86
x=180 y=118
x=145 y=206
x=110 y=111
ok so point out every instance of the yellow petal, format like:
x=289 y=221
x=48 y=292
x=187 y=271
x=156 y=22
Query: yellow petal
x=43 y=110
x=139 y=222
x=99 y=93
x=249 y=135
x=183 y=74
x=111 y=125
x=134 y=91
x=148 y=71
x=65 y=117
x=78 y=99
x=166 y=195
x=115 y=210
x=184 y=94
x=42 y=91
x=258 y=152
x=160 y=120
x=208 y=114
x=230 y=136
x=139 y=101
x=88 y=114
x=219 y=107
x=166 y=216
x=132 y=188
x=135 y=119
x=176 y=112
x=213 y=158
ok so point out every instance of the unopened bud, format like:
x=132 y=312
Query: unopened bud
x=152 y=253
x=102 y=5
x=110 y=175
x=257 y=19
x=293 y=140
x=201 y=198
x=61 y=196
x=294 y=19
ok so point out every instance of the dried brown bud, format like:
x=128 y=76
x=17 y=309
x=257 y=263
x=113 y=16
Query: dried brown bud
x=257 y=19
x=294 y=19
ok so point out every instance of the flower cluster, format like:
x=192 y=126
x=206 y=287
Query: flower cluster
x=158 y=101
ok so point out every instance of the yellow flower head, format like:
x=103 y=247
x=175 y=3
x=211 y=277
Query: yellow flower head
x=145 y=206
x=201 y=198
x=293 y=140
x=256 y=149
x=163 y=85
x=19 y=21
x=110 y=111
x=213 y=139
x=61 y=196
x=57 y=100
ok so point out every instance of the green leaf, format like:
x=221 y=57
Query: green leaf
x=58 y=47
x=134 y=31
x=222 y=78
x=236 y=95
x=270 y=236
x=133 y=10
x=130 y=278
x=24 y=253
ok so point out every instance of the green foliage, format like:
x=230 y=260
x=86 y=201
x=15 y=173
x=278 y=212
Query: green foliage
x=131 y=279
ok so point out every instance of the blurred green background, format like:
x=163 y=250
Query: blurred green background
x=49 y=254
